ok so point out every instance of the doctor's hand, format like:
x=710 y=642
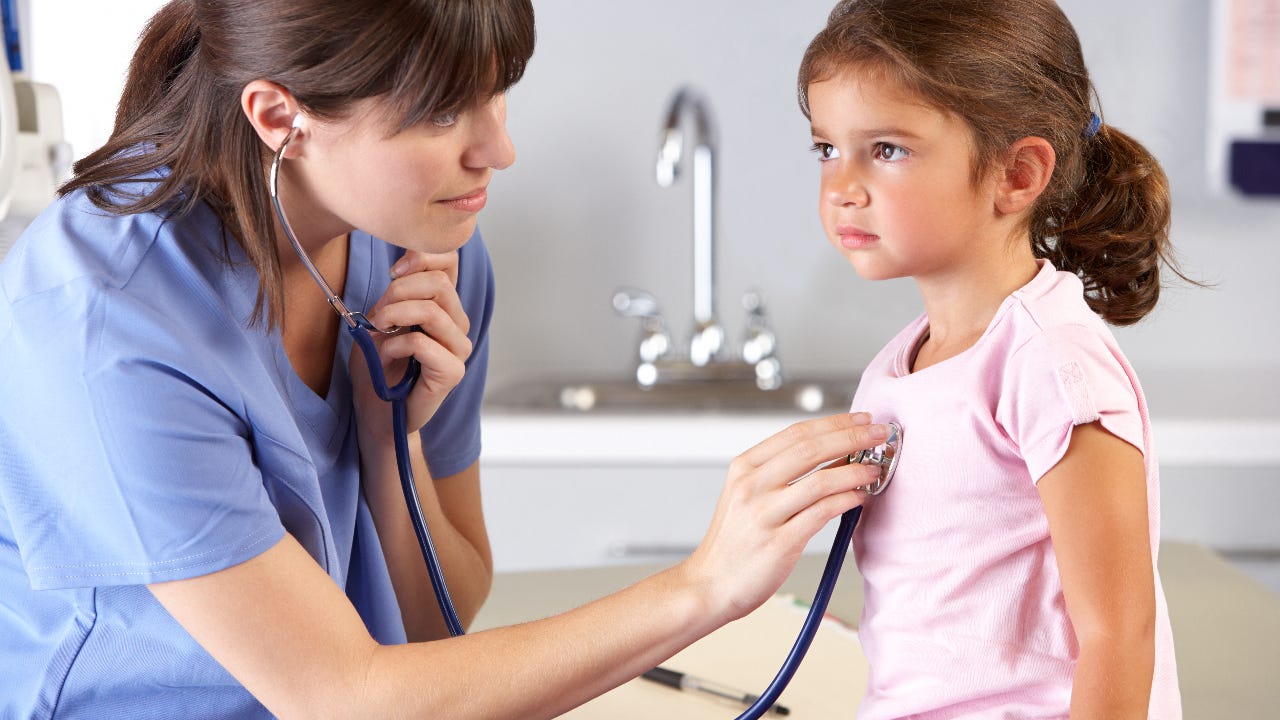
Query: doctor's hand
x=423 y=293
x=761 y=524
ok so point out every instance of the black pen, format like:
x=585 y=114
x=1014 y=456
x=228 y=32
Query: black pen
x=682 y=681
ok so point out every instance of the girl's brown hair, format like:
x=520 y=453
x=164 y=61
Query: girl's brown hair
x=1012 y=69
x=181 y=104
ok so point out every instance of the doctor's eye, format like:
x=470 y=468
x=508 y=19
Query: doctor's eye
x=825 y=151
x=444 y=120
x=888 y=152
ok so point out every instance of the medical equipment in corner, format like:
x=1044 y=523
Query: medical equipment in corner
x=34 y=158
x=885 y=456
x=1244 y=98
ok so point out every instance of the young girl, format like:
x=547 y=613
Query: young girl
x=200 y=513
x=1010 y=567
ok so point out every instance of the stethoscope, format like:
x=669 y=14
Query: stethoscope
x=361 y=330
x=885 y=456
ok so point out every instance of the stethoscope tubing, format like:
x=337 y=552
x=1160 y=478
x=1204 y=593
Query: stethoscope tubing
x=397 y=395
x=817 y=610
x=359 y=326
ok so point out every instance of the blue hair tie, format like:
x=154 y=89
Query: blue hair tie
x=1095 y=122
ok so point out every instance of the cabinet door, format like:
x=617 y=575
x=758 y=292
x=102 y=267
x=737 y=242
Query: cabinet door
x=564 y=516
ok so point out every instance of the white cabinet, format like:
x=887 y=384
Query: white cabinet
x=565 y=492
x=567 y=516
x=560 y=516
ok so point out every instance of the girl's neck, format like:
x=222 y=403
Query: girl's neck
x=961 y=302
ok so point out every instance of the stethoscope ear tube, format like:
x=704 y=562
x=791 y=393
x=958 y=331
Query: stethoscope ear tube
x=360 y=327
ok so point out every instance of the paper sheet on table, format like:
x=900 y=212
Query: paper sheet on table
x=745 y=655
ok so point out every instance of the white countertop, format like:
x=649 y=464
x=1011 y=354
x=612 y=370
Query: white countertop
x=551 y=438
x=1235 y=424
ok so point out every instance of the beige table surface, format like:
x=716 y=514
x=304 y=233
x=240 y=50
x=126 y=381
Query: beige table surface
x=1226 y=631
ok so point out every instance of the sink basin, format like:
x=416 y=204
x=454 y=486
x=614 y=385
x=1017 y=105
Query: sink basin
x=821 y=396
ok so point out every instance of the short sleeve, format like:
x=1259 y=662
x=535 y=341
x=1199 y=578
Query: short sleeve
x=1063 y=377
x=451 y=439
x=123 y=459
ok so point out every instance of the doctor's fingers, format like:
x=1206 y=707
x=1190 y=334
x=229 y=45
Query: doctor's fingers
x=432 y=286
x=433 y=327
x=413 y=261
x=822 y=495
x=442 y=367
x=798 y=453
x=426 y=285
x=438 y=317
x=800 y=432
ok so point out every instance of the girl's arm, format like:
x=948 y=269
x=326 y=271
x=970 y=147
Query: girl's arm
x=283 y=629
x=1096 y=502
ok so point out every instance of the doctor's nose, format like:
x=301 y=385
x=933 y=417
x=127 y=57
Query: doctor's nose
x=490 y=145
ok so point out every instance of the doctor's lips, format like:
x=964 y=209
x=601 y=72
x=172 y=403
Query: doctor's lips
x=855 y=238
x=472 y=201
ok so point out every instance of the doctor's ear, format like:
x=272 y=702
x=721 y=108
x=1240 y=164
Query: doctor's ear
x=273 y=112
x=1028 y=167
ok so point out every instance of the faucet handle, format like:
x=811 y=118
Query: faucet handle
x=655 y=343
x=632 y=302
x=760 y=342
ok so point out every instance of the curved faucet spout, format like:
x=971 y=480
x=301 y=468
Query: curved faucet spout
x=708 y=337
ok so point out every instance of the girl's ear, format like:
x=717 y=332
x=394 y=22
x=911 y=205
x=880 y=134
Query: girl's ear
x=272 y=110
x=1027 y=170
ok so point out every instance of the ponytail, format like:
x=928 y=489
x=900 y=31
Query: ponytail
x=1114 y=230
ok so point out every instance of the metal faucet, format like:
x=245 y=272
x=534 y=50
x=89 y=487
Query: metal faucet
x=708 y=336
x=705 y=362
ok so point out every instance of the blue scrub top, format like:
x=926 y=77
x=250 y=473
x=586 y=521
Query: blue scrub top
x=149 y=433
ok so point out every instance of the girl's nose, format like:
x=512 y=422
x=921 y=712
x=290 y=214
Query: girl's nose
x=842 y=187
x=490 y=146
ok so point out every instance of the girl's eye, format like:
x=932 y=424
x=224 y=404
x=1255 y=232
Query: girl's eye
x=445 y=120
x=826 y=151
x=888 y=152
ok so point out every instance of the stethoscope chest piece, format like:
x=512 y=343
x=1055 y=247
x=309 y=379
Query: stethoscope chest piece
x=884 y=455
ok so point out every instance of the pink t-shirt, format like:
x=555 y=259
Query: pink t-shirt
x=964 y=615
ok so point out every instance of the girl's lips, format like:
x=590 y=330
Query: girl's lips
x=853 y=238
x=472 y=202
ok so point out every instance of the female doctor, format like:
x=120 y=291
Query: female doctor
x=200 y=513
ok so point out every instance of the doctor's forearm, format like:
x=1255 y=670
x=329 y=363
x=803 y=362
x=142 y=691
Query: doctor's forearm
x=464 y=556
x=543 y=668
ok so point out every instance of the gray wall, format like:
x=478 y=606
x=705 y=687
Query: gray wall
x=579 y=214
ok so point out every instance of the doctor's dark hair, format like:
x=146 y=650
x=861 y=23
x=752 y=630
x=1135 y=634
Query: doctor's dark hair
x=181 y=109
x=1012 y=69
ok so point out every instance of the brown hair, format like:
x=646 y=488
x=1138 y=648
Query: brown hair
x=1012 y=69
x=181 y=103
